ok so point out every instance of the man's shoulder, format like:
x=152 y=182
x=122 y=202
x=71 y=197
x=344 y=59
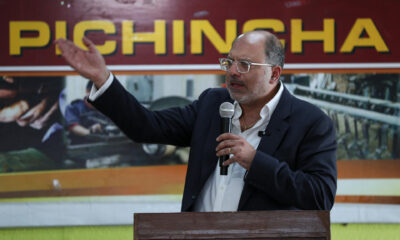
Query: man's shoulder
x=304 y=108
x=215 y=95
x=216 y=91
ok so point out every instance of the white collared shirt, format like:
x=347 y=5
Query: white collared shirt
x=222 y=193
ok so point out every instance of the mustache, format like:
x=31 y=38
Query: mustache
x=234 y=80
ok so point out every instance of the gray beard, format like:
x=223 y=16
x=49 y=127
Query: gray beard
x=243 y=99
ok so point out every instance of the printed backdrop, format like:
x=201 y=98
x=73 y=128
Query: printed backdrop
x=166 y=35
x=343 y=58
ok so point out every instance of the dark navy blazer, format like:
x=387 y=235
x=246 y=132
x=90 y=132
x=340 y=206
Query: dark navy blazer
x=295 y=163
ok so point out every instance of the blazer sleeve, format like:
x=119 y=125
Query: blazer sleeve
x=172 y=126
x=311 y=183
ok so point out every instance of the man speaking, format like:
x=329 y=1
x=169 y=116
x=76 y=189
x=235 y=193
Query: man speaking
x=282 y=151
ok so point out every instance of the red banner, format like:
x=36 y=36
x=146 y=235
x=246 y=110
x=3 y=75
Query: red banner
x=155 y=35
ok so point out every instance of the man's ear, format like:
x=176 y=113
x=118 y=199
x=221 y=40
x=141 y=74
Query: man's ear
x=276 y=74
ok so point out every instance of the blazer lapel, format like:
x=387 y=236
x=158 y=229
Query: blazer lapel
x=277 y=125
x=274 y=134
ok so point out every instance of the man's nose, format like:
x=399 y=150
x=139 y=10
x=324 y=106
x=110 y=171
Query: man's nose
x=233 y=69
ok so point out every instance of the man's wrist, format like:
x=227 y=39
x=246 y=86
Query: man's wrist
x=97 y=92
x=99 y=81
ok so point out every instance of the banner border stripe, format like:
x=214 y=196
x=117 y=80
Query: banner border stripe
x=183 y=67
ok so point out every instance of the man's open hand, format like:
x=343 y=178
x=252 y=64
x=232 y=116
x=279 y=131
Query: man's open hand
x=90 y=64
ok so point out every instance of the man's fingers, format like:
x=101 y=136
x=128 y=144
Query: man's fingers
x=229 y=161
x=226 y=136
x=69 y=51
x=62 y=44
x=67 y=47
x=225 y=151
x=89 y=44
x=225 y=144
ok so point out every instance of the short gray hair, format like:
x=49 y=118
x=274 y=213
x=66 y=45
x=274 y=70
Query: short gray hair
x=274 y=51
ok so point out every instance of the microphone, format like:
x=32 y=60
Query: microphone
x=226 y=111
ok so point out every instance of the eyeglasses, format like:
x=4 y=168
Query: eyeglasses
x=242 y=66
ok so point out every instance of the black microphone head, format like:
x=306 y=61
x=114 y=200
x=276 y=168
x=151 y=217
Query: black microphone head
x=226 y=110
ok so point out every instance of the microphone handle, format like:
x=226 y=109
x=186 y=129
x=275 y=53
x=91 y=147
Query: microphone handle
x=225 y=128
x=223 y=169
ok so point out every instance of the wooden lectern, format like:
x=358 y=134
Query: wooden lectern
x=233 y=225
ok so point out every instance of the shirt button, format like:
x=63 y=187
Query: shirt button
x=193 y=196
